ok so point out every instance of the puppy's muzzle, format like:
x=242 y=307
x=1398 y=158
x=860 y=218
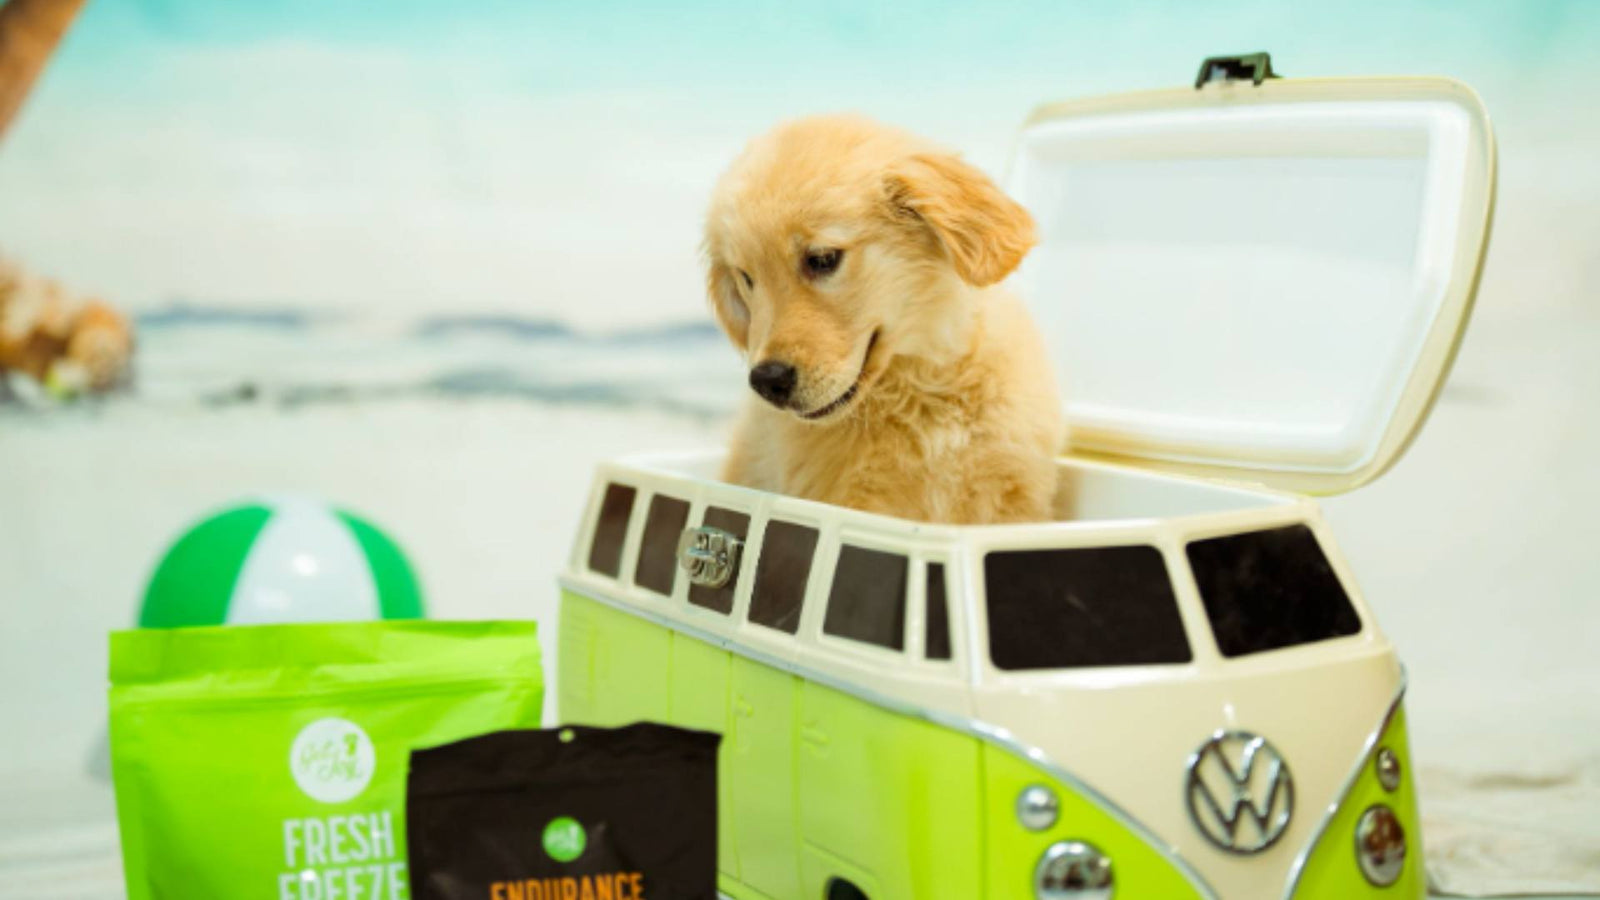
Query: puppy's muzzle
x=774 y=381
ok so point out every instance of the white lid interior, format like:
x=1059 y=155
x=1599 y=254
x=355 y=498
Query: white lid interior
x=1266 y=282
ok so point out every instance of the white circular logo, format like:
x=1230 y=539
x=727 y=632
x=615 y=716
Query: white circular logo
x=332 y=760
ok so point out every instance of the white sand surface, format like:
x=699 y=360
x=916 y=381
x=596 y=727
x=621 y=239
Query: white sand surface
x=1477 y=552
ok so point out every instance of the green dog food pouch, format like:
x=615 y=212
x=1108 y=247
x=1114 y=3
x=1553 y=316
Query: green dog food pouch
x=270 y=761
x=568 y=814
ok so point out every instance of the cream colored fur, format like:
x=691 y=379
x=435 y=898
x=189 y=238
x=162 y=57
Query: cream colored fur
x=955 y=416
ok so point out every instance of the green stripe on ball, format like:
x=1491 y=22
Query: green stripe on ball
x=399 y=596
x=194 y=582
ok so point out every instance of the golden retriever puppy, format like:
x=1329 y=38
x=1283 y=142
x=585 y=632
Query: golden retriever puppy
x=857 y=268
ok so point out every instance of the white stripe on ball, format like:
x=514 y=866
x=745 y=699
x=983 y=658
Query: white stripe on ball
x=305 y=566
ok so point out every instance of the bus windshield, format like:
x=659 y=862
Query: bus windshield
x=1264 y=590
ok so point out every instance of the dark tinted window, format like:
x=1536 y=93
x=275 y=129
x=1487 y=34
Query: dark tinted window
x=1270 y=589
x=721 y=599
x=611 y=529
x=868 y=599
x=658 y=549
x=781 y=575
x=936 y=640
x=1093 y=606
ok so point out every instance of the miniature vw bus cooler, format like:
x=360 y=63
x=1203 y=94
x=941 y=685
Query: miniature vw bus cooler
x=1253 y=289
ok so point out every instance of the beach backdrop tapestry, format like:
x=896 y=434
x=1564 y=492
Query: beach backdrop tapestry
x=433 y=260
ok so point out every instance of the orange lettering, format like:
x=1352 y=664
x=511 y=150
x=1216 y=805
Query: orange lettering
x=514 y=891
x=638 y=890
x=497 y=891
x=586 y=891
x=569 y=889
x=605 y=887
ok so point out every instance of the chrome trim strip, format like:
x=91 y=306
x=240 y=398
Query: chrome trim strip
x=1297 y=869
x=993 y=734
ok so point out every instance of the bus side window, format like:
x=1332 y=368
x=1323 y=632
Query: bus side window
x=658 y=549
x=721 y=599
x=782 y=574
x=936 y=636
x=868 y=599
x=1082 y=606
x=611 y=529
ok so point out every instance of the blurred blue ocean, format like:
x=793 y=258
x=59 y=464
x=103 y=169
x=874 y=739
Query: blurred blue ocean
x=289 y=358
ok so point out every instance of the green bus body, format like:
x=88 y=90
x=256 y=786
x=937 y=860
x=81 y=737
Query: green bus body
x=817 y=784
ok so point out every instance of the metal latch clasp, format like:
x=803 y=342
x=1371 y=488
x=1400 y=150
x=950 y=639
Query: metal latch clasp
x=709 y=555
x=1256 y=67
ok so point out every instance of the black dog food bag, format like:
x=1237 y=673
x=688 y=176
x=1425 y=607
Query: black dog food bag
x=571 y=813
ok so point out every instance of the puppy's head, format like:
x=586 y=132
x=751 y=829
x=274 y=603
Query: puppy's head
x=834 y=244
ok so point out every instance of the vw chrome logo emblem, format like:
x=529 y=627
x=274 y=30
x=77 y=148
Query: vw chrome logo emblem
x=1240 y=792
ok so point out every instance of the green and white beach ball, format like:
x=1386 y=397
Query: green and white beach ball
x=281 y=560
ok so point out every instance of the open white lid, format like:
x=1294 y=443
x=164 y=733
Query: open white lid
x=1260 y=282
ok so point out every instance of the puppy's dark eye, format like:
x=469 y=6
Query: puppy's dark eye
x=822 y=263
x=748 y=281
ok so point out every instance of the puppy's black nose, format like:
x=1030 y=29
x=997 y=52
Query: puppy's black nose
x=773 y=380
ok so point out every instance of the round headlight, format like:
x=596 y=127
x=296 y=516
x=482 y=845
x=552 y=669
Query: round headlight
x=1037 y=807
x=1073 y=870
x=1388 y=766
x=1380 y=845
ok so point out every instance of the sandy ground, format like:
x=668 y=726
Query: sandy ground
x=1476 y=552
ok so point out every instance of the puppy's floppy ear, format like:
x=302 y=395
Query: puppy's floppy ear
x=984 y=232
x=732 y=313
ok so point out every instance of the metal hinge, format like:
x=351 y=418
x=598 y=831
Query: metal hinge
x=709 y=555
x=1257 y=67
